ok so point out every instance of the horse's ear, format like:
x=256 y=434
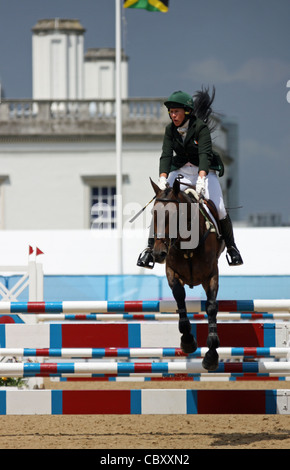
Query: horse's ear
x=155 y=187
x=176 y=187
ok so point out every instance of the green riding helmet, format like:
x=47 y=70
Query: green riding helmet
x=179 y=99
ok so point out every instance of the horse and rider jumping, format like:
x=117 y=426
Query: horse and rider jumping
x=189 y=170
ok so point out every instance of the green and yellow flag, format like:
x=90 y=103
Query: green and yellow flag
x=150 y=5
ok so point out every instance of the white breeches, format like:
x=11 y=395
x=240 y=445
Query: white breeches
x=213 y=189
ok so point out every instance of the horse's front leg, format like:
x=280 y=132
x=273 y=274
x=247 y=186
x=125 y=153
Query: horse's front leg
x=211 y=358
x=188 y=342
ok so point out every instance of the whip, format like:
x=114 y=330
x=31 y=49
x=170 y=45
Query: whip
x=140 y=212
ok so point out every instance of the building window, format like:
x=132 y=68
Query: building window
x=103 y=207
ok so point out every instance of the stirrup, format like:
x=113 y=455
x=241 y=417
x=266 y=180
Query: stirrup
x=236 y=259
x=146 y=259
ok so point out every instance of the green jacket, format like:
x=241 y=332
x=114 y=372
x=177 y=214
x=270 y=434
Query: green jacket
x=196 y=149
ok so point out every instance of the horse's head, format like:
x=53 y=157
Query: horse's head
x=165 y=214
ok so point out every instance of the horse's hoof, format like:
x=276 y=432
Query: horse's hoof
x=188 y=344
x=211 y=360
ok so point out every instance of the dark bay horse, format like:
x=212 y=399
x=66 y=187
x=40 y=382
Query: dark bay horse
x=190 y=266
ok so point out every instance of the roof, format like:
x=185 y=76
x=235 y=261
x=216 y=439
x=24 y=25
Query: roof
x=58 y=24
x=102 y=53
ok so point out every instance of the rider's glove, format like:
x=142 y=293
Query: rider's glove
x=162 y=182
x=200 y=186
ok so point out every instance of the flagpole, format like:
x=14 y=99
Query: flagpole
x=119 y=139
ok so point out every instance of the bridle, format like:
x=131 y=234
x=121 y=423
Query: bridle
x=169 y=242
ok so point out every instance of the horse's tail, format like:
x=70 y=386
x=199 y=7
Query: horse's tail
x=202 y=104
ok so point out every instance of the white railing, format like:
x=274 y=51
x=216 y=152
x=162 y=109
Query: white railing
x=81 y=110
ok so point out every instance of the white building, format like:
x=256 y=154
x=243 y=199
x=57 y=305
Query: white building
x=57 y=150
x=61 y=71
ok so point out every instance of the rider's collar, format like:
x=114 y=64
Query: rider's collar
x=183 y=129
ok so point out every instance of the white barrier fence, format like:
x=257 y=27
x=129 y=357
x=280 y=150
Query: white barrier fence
x=31 y=278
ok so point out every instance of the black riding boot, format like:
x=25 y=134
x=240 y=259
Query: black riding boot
x=146 y=258
x=228 y=236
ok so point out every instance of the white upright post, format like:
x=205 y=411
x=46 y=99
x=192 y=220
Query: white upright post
x=119 y=140
x=39 y=282
x=32 y=281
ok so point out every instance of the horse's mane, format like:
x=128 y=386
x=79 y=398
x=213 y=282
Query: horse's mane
x=203 y=106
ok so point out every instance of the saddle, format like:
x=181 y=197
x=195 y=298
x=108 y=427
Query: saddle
x=214 y=213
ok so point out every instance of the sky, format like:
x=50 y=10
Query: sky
x=242 y=47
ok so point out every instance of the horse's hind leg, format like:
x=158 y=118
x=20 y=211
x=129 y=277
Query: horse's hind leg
x=211 y=358
x=188 y=342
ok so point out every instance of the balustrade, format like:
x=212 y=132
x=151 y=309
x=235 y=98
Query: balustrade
x=82 y=110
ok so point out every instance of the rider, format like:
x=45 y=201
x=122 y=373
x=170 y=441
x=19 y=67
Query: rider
x=187 y=151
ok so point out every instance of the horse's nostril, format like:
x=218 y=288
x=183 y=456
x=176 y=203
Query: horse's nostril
x=160 y=255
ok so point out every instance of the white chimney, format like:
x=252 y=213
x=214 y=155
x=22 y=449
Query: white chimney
x=100 y=75
x=57 y=59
